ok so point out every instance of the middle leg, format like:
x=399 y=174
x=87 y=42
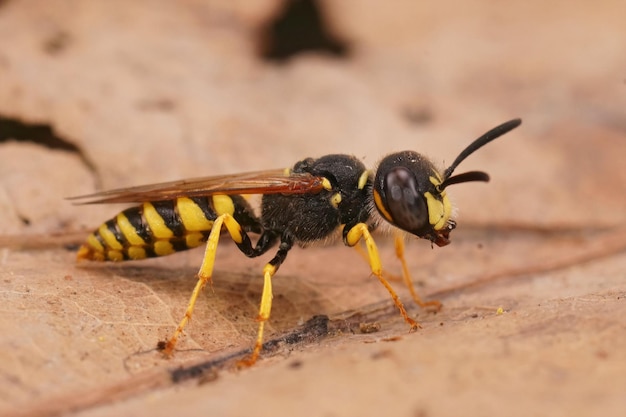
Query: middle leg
x=434 y=304
x=266 y=298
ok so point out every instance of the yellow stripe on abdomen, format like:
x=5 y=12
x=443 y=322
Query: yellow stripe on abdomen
x=109 y=238
x=129 y=231
x=156 y=223
x=192 y=216
x=223 y=204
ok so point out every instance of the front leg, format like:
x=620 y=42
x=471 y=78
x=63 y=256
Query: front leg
x=351 y=237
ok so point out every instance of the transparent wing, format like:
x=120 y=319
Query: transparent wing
x=260 y=182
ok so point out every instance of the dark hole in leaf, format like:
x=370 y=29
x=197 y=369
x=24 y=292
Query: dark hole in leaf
x=299 y=26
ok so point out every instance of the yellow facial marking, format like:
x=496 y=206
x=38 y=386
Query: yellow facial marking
x=335 y=199
x=223 y=204
x=128 y=230
x=109 y=238
x=287 y=172
x=136 y=252
x=436 y=180
x=381 y=207
x=192 y=216
x=363 y=179
x=438 y=210
x=326 y=184
x=163 y=247
x=155 y=221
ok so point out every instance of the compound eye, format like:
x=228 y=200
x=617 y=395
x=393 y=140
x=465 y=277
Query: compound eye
x=404 y=201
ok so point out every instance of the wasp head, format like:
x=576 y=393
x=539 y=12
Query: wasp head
x=410 y=192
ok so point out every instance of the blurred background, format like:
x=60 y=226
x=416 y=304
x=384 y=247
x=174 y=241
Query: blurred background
x=107 y=94
x=131 y=93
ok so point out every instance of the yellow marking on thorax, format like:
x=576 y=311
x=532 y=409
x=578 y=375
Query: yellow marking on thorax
x=381 y=207
x=109 y=238
x=129 y=231
x=335 y=199
x=326 y=184
x=223 y=204
x=155 y=221
x=439 y=211
x=363 y=179
x=192 y=216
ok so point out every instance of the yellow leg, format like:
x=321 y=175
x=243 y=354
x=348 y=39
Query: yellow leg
x=205 y=273
x=363 y=254
x=264 y=314
x=435 y=304
x=360 y=231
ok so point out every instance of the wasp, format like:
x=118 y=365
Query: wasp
x=309 y=202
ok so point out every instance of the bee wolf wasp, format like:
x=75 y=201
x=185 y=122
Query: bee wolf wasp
x=306 y=203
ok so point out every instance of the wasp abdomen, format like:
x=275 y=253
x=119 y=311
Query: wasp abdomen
x=156 y=229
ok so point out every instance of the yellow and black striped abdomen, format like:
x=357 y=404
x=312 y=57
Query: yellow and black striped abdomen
x=158 y=228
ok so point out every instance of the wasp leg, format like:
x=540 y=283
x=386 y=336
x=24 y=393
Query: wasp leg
x=351 y=237
x=206 y=269
x=434 y=304
x=363 y=254
x=266 y=298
